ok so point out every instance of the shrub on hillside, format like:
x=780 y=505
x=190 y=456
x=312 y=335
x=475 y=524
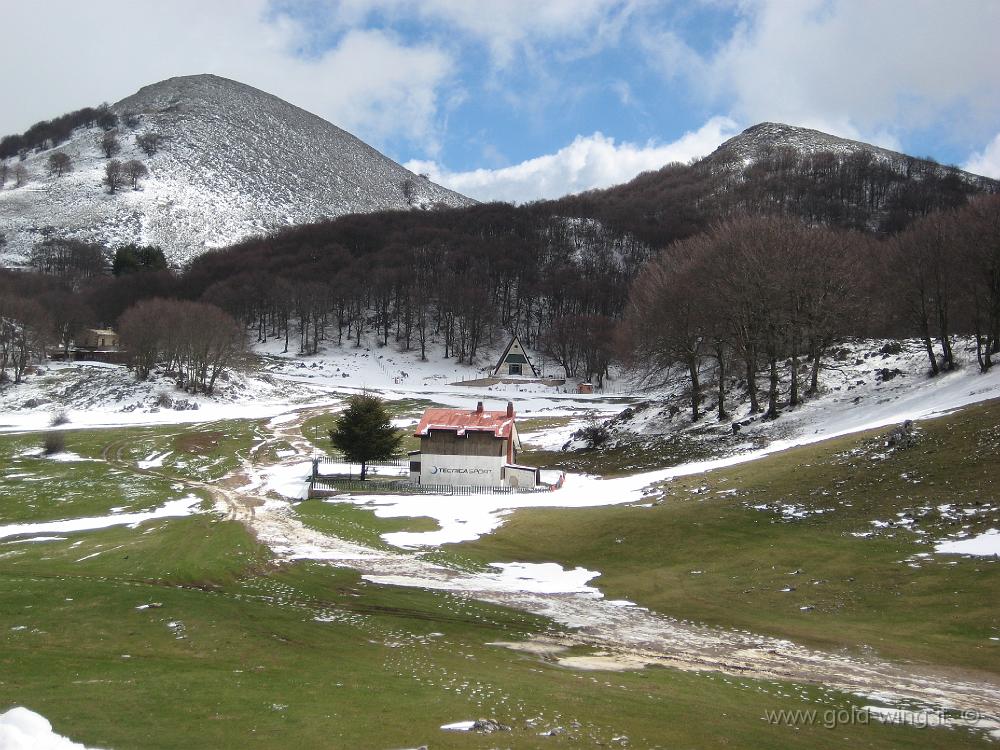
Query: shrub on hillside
x=55 y=442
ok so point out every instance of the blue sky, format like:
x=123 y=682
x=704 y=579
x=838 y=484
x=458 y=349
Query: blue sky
x=522 y=99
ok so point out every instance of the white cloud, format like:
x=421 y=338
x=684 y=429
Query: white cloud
x=594 y=161
x=505 y=26
x=70 y=54
x=857 y=68
x=987 y=161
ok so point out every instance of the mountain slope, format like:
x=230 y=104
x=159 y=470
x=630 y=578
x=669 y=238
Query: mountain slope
x=772 y=168
x=235 y=161
x=766 y=138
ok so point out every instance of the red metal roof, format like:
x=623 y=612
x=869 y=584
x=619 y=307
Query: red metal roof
x=460 y=421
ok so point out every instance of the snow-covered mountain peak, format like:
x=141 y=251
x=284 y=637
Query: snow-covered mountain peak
x=767 y=137
x=234 y=162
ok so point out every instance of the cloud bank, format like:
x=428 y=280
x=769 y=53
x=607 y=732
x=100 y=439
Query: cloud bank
x=854 y=68
x=594 y=161
x=369 y=81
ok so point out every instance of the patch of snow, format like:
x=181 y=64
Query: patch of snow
x=185 y=506
x=459 y=726
x=23 y=729
x=153 y=460
x=985 y=544
x=38 y=539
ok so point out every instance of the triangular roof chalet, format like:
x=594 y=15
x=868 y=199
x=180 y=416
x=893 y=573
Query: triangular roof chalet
x=503 y=357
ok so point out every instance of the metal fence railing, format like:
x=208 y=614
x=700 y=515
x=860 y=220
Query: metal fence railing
x=321 y=485
x=339 y=458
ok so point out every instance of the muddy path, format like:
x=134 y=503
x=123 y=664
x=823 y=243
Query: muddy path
x=626 y=636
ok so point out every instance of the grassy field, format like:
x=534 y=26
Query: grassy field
x=357 y=524
x=722 y=548
x=236 y=651
x=36 y=489
x=203 y=451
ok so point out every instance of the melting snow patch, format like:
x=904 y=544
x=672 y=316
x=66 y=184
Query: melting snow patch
x=511 y=578
x=21 y=729
x=39 y=539
x=153 y=461
x=185 y=506
x=618 y=663
x=459 y=726
x=64 y=457
x=546 y=578
x=291 y=480
x=987 y=543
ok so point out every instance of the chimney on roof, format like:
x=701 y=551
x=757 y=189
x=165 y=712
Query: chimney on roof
x=479 y=408
x=510 y=410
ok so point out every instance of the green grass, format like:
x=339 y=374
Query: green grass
x=865 y=595
x=240 y=653
x=356 y=524
x=36 y=489
x=236 y=653
x=203 y=451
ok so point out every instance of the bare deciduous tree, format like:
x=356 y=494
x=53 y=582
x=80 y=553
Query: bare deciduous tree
x=24 y=332
x=59 y=163
x=150 y=142
x=108 y=143
x=70 y=260
x=114 y=175
x=196 y=340
x=134 y=170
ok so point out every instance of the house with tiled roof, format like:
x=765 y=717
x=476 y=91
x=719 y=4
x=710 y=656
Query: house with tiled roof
x=462 y=447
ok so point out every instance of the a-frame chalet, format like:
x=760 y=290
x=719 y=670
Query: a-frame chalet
x=514 y=362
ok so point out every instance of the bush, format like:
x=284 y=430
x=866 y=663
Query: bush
x=59 y=418
x=55 y=442
x=595 y=435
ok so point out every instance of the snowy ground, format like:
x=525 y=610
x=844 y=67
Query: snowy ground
x=94 y=394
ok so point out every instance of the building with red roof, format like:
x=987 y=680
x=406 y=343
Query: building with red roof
x=470 y=448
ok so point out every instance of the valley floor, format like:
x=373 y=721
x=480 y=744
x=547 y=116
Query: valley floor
x=161 y=567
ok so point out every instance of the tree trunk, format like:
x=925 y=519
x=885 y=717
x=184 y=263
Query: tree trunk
x=772 y=391
x=929 y=347
x=721 y=360
x=817 y=358
x=752 y=385
x=793 y=392
x=695 y=388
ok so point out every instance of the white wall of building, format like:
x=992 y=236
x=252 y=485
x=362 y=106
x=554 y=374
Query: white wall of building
x=461 y=470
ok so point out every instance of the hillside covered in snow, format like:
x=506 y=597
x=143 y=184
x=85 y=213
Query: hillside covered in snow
x=234 y=162
x=764 y=139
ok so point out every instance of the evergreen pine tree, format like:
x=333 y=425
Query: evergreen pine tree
x=364 y=432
